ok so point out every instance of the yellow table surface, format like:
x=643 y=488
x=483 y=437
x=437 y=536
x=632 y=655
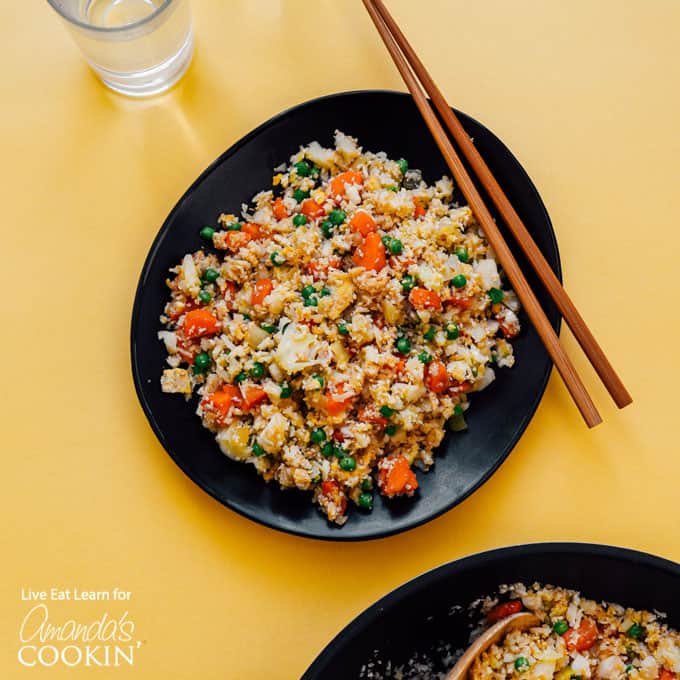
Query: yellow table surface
x=584 y=93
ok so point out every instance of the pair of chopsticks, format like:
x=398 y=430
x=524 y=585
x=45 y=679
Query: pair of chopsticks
x=412 y=69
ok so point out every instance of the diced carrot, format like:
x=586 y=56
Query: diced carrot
x=422 y=298
x=311 y=209
x=436 y=377
x=333 y=491
x=368 y=414
x=371 y=253
x=316 y=269
x=461 y=387
x=219 y=404
x=180 y=308
x=253 y=230
x=279 y=209
x=338 y=436
x=582 y=638
x=460 y=301
x=199 y=322
x=262 y=288
x=667 y=675
x=363 y=223
x=187 y=349
x=335 y=402
x=396 y=477
x=252 y=396
x=337 y=184
x=229 y=292
x=235 y=240
x=401 y=366
x=503 y=610
x=419 y=208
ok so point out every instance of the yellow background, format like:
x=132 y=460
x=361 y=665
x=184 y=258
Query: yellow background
x=584 y=93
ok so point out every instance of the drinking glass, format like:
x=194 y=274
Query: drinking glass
x=137 y=47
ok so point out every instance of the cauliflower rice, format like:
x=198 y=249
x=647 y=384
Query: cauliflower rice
x=578 y=639
x=334 y=328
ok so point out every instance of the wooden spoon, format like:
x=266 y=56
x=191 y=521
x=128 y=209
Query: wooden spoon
x=491 y=635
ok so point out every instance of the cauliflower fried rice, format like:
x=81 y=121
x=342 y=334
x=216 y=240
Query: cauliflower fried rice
x=334 y=327
x=578 y=639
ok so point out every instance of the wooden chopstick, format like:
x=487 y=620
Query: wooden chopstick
x=571 y=315
x=533 y=309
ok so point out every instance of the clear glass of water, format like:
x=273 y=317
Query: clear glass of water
x=137 y=47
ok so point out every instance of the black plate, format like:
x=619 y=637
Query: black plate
x=419 y=617
x=387 y=121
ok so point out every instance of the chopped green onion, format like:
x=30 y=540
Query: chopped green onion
x=257 y=449
x=391 y=430
x=269 y=328
x=320 y=379
x=393 y=188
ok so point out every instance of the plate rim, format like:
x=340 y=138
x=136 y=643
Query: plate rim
x=477 y=559
x=152 y=253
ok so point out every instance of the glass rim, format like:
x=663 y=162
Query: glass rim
x=109 y=29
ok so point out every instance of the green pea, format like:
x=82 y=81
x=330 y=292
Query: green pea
x=386 y=239
x=337 y=217
x=320 y=379
x=202 y=362
x=327 y=449
x=347 y=463
x=257 y=371
x=315 y=172
x=367 y=484
x=365 y=501
x=307 y=291
x=636 y=631
x=277 y=259
x=207 y=233
x=393 y=188
x=425 y=357
x=300 y=220
x=325 y=291
x=457 y=410
x=403 y=345
x=286 y=391
x=403 y=165
x=408 y=283
x=205 y=297
x=268 y=328
x=312 y=301
x=234 y=226
x=561 y=626
x=327 y=228
x=430 y=333
x=391 y=430
x=241 y=377
x=462 y=254
x=495 y=295
x=211 y=275
x=318 y=436
x=493 y=359
x=452 y=331
x=343 y=329
x=459 y=280
x=257 y=449
x=386 y=411
x=303 y=169
x=300 y=195
x=338 y=451
x=521 y=664
x=396 y=246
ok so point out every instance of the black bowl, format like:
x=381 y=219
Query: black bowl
x=387 y=121
x=419 y=618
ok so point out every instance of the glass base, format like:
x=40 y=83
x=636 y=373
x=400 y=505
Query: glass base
x=151 y=81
